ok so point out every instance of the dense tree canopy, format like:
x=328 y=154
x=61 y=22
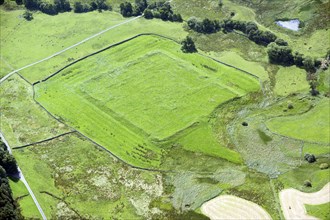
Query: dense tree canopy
x=28 y=15
x=188 y=45
x=7 y=161
x=62 y=5
x=9 y=208
x=126 y=9
x=161 y=10
x=280 y=54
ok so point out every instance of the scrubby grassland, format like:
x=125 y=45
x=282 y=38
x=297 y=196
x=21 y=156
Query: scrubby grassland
x=319 y=211
x=312 y=126
x=174 y=90
x=311 y=172
x=90 y=184
x=314 y=15
x=22 y=120
x=258 y=189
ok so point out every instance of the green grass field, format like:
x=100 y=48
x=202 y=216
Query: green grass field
x=317 y=150
x=25 y=201
x=296 y=177
x=176 y=86
x=22 y=37
x=203 y=140
x=22 y=120
x=153 y=106
x=319 y=211
x=311 y=126
x=290 y=80
x=234 y=59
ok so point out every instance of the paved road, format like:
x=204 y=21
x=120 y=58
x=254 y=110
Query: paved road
x=22 y=178
x=68 y=48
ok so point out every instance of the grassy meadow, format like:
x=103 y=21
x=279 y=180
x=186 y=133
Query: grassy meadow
x=155 y=69
x=319 y=211
x=66 y=30
x=26 y=203
x=22 y=120
x=290 y=80
x=204 y=136
x=152 y=106
x=312 y=126
x=90 y=184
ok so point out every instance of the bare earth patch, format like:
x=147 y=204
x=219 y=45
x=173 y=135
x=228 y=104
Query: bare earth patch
x=293 y=202
x=232 y=207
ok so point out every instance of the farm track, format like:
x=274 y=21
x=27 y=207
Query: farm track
x=22 y=178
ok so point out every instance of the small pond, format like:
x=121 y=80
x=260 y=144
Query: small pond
x=290 y=24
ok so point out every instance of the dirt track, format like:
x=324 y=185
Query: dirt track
x=293 y=202
x=232 y=207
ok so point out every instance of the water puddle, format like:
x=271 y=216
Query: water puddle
x=290 y=24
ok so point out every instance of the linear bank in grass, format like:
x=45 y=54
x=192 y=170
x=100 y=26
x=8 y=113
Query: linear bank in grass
x=134 y=95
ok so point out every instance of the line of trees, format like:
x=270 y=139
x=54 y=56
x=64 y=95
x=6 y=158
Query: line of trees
x=9 y=209
x=205 y=26
x=94 y=5
x=250 y=29
x=161 y=10
x=283 y=55
x=60 y=6
x=7 y=161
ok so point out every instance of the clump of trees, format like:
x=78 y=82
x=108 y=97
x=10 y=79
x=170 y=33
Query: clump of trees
x=280 y=53
x=310 y=158
x=7 y=161
x=94 y=5
x=205 y=26
x=161 y=10
x=9 y=207
x=60 y=6
x=188 y=45
x=28 y=15
x=250 y=29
